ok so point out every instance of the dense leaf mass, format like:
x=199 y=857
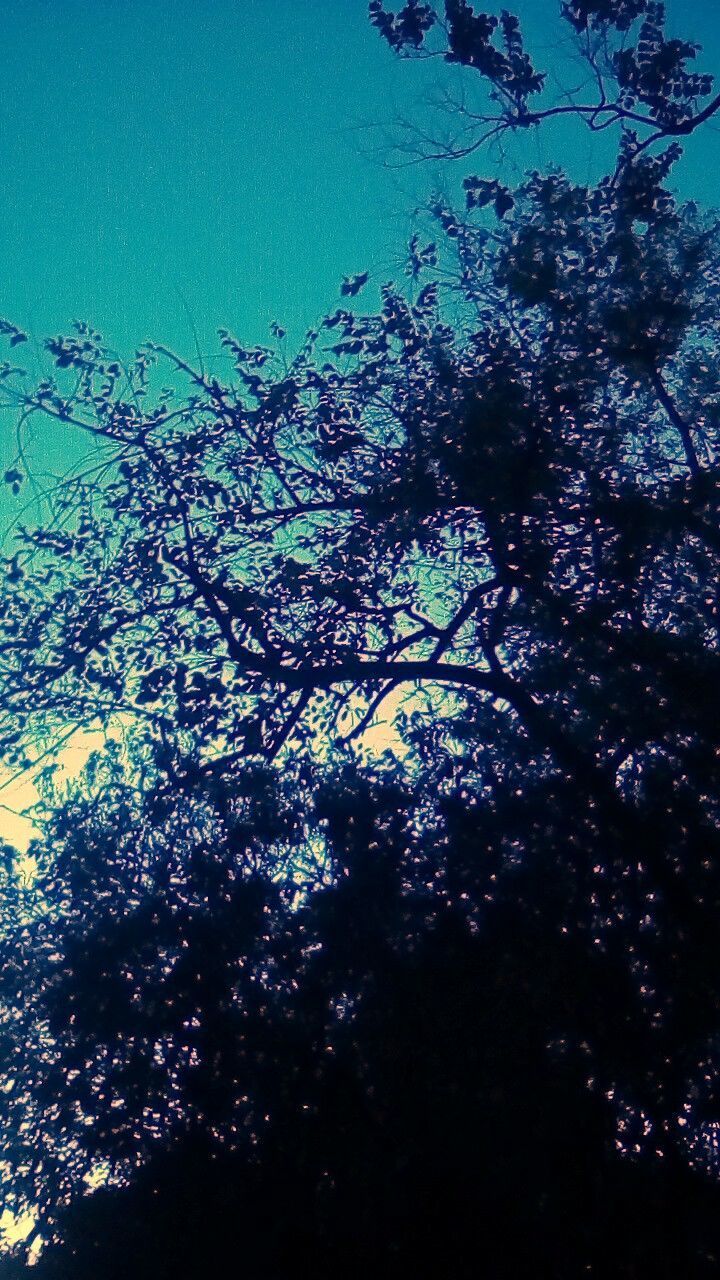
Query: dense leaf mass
x=321 y=1009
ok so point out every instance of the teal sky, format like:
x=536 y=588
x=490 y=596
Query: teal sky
x=162 y=160
x=206 y=146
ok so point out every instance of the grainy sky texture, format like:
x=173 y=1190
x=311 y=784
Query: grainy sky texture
x=206 y=148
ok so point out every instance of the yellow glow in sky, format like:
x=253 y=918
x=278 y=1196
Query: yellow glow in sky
x=19 y=794
x=15 y=1227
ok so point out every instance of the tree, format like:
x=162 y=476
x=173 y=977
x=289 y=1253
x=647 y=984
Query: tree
x=479 y=982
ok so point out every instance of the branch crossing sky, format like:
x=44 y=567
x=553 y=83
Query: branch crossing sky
x=170 y=167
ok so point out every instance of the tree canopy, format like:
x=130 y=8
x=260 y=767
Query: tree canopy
x=321 y=1009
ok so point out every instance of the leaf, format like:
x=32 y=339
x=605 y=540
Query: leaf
x=352 y=285
x=480 y=192
x=504 y=202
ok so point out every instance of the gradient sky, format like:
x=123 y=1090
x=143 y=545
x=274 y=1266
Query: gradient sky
x=207 y=146
x=175 y=164
x=201 y=145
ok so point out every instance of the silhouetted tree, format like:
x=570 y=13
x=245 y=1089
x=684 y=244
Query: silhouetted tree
x=324 y=1015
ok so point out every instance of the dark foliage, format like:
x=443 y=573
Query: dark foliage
x=455 y=1012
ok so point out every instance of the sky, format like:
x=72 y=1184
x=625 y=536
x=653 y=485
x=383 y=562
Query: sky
x=166 y=157
x=169 y=167
x=176 y=163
